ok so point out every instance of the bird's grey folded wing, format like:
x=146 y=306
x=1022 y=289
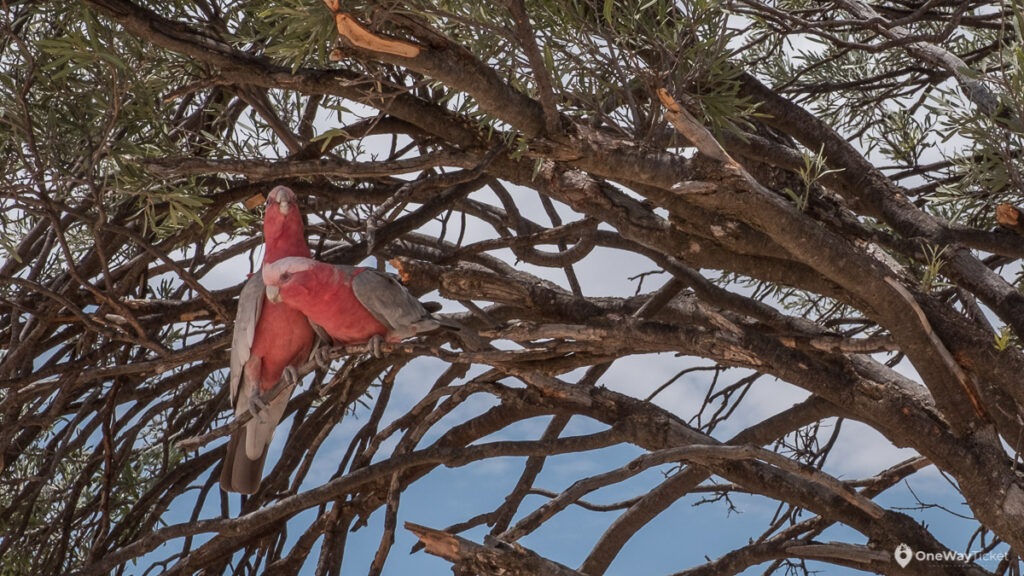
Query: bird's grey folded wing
x=391 y=304
x=260 y=430
x=250 y=306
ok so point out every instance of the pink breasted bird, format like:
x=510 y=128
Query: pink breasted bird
x=354 y=305
x=269 y=341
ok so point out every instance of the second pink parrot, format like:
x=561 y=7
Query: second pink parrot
x=354 y=305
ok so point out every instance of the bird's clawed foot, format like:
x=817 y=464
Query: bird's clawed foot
x=257 y=406
x=322 y=357
x=290 y=375
x=375 y=342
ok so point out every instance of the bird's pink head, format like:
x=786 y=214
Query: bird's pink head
x=282 y=226
x=287 y=273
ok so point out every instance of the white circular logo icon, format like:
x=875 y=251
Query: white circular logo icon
x=903 y=555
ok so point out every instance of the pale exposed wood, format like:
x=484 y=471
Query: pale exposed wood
x=360 y=37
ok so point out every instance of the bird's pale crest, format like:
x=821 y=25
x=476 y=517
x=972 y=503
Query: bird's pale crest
x=273 y=271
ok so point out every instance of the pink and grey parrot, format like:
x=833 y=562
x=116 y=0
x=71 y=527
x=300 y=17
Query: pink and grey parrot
x=270 y=340
x=354 y=305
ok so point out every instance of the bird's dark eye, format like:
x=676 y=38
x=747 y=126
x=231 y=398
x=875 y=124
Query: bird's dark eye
x=286 y=276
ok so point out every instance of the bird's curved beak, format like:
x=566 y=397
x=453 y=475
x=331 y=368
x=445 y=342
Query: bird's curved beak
x=274 y=294
x=284 y=206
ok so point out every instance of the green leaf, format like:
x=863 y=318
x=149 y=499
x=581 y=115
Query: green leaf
x=328 y=135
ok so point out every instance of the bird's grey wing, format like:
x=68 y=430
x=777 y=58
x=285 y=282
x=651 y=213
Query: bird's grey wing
x=240 y=473
x=260 y=430
x=392 y=305
x=250 y=306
